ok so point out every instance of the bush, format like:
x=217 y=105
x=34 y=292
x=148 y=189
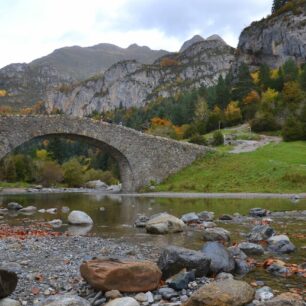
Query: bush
x=292 y=130
x=264 y=123
x=73 y=173
x=51 y=173
x=105 y=176
x=198 y=139
x=218 y=139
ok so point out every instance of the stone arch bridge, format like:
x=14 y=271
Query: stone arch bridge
x=141 y=158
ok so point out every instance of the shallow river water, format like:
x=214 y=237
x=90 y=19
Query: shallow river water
x=114 y=215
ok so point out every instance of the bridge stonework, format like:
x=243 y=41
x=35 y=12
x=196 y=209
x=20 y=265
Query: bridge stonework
x=141 y=158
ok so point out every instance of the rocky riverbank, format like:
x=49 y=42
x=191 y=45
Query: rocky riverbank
x=47 y=263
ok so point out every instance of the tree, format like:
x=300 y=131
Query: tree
x=292 y=130
x=50 y=173
x=265 y=76
x=302 y=78
x=292 y=93
x=277 y=4
x=223 y=92
x=244 y=84
x=290 y=70
x=232 y=113
x=73 y=173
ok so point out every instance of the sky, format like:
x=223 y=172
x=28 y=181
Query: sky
x=33 y=28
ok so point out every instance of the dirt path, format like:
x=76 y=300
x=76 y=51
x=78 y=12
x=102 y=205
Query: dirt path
x=252 y=145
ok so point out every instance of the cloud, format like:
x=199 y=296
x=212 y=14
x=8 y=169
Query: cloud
x=34 y=28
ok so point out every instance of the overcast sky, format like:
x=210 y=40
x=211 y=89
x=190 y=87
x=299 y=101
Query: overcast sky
x=33 y=28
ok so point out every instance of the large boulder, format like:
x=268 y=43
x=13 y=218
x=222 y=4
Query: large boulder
x=260 y=232
x=173 y=259
x=77 y=217
x=221 y=259
x=228 y=292
x=280 y=244
x=164 y=224
x=126 y=301
x=216 y=234
x=8 y=282
x=64 y=300
x=251 y=248
x=122 y=275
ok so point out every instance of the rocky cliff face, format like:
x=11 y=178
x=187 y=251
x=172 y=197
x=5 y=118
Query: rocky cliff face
x=275 y=39
x=130 y=83
x=26 y=84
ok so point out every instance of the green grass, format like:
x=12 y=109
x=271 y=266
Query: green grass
x=274 y=168
x=14 y=185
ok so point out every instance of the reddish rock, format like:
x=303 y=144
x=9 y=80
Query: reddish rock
x=125 y=276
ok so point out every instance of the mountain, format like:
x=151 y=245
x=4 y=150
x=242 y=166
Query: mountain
x=130 y=83
x=276 y=38
x=81 y=63
x=190 y=42
x=25 y=84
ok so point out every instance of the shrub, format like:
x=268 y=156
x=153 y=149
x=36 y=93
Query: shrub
x=105 y=176
x=73 y=173
x=51 y=173
x=292 y=130
x=198 y=139
x=218 y=139
x=264 y=123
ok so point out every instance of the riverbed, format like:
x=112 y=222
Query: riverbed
x=114 y=216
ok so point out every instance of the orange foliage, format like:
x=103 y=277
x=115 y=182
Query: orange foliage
x=251 y=97
x=168 y=62
x=156 y=121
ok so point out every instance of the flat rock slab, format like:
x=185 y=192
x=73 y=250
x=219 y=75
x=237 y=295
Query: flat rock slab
x=122 y=275
x=126 y=301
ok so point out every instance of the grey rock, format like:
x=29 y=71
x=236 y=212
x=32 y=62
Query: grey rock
x=28 y=209
x=141 y=297
x=125 y=301
x=225 y=218
x=251 y=248
x=64 y=300
x=141 y=221
x=258 y=212
x=206 y=215
x=216 y=234
x=167 y=293
x=173 y=259
x=164 y=224
x=208 y=224
x=242 y=267
x=77 y=217
x=97 y=184
x=181 y=280
x=56 y=223
x=113 y=294
x=280 y=244
x=221 y=259
x=223 y=276
x=236 y=252
x=9 y=302
x=14 y=206
x=263 y=294
x=3 y=211
x=260 y=232
x=190 y=217
x=275 y=39
x=195 y=39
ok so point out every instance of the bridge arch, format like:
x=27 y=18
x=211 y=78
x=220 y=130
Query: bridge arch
x=141 y=158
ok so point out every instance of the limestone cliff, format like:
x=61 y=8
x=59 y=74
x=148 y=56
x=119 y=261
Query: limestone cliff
x=130 y=83
x=275 y=39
